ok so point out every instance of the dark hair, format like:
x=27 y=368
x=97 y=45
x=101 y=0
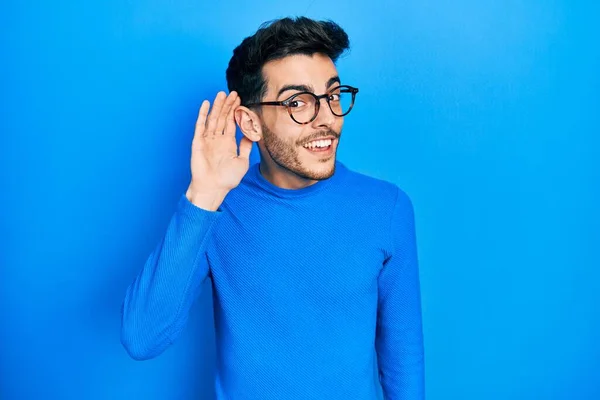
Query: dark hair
x=275 y=40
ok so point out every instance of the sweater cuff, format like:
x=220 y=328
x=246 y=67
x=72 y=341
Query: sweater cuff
x=194 y=212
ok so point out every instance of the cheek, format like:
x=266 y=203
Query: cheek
x=289 y=131
x=285 y=127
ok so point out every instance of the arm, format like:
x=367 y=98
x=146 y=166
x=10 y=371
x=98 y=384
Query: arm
x=157 y=303
x=399 y=336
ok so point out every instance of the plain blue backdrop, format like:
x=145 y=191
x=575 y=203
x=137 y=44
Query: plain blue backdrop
x=485 y=113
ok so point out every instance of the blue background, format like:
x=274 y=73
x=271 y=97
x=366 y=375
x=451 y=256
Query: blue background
x=486 y=113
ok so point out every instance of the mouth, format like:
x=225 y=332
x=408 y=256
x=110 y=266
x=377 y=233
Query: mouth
x=322 y=146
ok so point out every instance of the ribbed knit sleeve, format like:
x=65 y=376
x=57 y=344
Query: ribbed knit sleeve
x=157 y=302
x=399 y=334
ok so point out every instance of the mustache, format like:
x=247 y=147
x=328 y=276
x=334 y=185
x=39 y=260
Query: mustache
x=320 y=135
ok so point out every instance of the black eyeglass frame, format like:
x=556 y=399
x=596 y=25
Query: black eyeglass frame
x=286 y=103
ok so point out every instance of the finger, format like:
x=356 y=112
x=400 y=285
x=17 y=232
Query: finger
x=245 y=147
x=201 y=120
x=224 y=112
x=230 y=124
x=214 y=113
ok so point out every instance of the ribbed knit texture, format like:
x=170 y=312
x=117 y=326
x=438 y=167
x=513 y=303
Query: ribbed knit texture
x=309 y=286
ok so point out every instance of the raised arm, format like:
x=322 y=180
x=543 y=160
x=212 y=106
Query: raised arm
x=157 y=303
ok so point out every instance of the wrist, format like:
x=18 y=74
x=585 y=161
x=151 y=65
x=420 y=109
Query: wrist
x=209 y=200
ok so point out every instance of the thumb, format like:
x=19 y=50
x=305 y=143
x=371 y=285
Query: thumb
x=245 y=147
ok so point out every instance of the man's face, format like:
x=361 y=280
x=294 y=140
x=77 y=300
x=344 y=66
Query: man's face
x=283 y=139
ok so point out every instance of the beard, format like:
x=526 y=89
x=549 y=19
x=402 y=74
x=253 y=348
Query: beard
x=285 y=153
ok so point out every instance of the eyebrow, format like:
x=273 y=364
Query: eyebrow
x=332 y=80
x=300 y=88
x=307 y=88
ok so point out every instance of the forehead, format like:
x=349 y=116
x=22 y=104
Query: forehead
x=299 y=69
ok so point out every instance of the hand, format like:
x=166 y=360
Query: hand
x=216 y=165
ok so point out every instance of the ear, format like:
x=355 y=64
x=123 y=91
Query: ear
x=249 y=123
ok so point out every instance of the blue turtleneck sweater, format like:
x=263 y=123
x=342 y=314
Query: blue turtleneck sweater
x=311 y=288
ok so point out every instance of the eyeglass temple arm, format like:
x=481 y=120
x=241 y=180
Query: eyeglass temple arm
x=266 y=103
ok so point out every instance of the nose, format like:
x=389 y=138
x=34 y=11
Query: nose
x=325 y=117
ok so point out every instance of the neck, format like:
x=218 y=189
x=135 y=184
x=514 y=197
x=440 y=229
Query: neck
x=283 y=178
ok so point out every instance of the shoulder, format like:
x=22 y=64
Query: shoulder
x=384 y=206
x=384 y=202
x=378 y=191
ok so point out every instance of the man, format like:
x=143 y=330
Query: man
x=313 y=266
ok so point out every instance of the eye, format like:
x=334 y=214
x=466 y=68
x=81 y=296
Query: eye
x=296 y=103
x=334 y=97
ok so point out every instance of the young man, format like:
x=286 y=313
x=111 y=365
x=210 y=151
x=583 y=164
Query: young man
x=313 y=266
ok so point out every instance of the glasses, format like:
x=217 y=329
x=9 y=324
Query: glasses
x=304 y=107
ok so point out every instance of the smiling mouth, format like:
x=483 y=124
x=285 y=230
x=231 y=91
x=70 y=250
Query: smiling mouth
x=319 y=145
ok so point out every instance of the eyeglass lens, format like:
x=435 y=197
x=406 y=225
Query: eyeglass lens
x=303 y=106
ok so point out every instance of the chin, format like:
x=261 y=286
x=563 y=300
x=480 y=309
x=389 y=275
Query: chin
x=319 y=170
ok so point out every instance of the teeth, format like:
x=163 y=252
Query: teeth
x=318 y=143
